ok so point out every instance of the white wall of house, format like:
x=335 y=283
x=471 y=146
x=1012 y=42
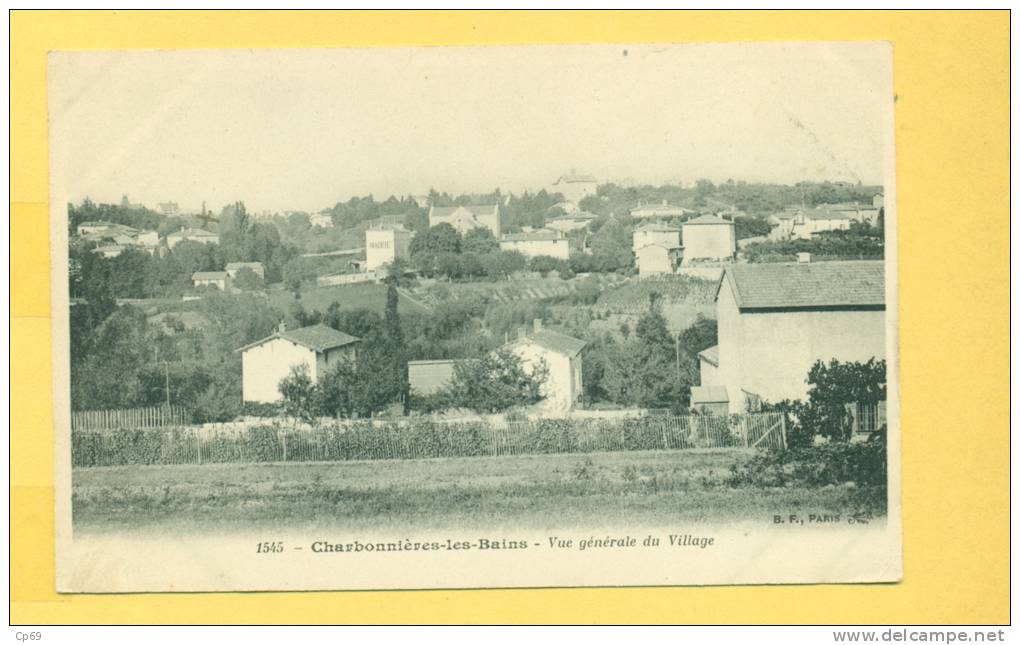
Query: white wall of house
x=382 y=246
x=654 y=260
x=533 y=248
x=464 y=220
x=265 y=365
x=563 y=386
x=220 y=284
x=769 y=354
x=709 y=373
x=709 y=241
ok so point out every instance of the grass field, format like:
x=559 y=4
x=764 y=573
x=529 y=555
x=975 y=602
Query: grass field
x=539 y=491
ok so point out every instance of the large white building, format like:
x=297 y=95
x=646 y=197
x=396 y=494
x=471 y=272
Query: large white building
x=661 y=234
x=777 y=320
x=552 y=243
x=385 y=244
x=665 y=209
x=465 y=218
x=803 y=223
x=562 y=356
x=709 y=238
x=266 y=362
x=656 y=259
x=575 y=187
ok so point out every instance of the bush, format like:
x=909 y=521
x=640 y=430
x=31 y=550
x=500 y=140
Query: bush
x=861 y=464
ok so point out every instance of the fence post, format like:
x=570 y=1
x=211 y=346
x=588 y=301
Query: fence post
x=782 y=428
x=743 y=429
x=198 y=447
x=283 y=440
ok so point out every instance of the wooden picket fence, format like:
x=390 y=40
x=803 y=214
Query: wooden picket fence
x=130 y=419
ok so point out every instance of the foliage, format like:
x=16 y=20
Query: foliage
x=699 y=336
x=860 y=241
x=480 y=241
x=495 y=382
x=247 y=280
x=299 y=393
x=831 y=464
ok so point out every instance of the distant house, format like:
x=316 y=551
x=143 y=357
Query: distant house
x=91 y=228
x=169 y=208
x=776 y=320
x=656 y=259
x=661 y=234
x=233 y=267
x=856 y=212
x=644 y=211
x=422 y=201
x=562 y=355
x=465 y=218
x=544 y=241
x=384 y=244
x=266 y=362
x=428 y=377
x=709 y=238
x=574 y=222
x=109 y=250
x=193 y=235
x=218 y=279
x=575 y=187
x=803 y=223
x=321 y=220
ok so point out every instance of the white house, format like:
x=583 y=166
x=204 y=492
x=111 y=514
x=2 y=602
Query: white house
x=803 y=223
x=465 y=218
x=575 y=187
x=709 y=238
x=777 y=320
x=233 y=267
x=384 y=244
x=193 y=235
x=218 y=279
x=552 y=243
x=575 y=222
x=266 y=362
x=661 y=234
x=655 y=259
x=562 y=355
x=645 y=211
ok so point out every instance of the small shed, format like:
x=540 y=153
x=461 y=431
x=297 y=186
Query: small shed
x=710 y=399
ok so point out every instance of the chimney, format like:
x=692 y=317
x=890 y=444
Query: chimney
x=803 y=258
x=538 y=325
x=283 y=327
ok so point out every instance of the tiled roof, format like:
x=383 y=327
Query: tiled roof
x=316 y=337
x=709 y=394
x=209 y=275
x=427 y=377
x=656 y=228
x=807 y=285
x=445 y=211
x=556 y=342
x=711 y=355
x=707 y=219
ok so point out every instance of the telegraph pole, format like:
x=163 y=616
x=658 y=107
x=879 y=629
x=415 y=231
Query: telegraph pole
x=677 y=338
x=166 y=371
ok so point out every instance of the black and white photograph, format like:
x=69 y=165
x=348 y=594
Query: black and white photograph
x=474 y=317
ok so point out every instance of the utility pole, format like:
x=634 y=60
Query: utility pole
x=166 y=371
x=677 y=338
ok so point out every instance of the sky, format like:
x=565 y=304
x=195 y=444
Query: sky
x=304 y=129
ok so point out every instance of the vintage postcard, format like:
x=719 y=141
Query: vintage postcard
x=475 y=317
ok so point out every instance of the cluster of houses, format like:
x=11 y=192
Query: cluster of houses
x=774 y=322
x=112 y=239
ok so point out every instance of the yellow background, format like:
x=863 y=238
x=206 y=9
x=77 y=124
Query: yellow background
x=952 y=142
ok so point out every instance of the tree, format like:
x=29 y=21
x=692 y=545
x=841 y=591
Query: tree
x=395 y=345
x=495 y=382
x=836 y=384
x=701 y=335
x=480 y=241
x=611 y=247
x=247 y=280
x=299 y=395
x=296 y=271
x=652 y=330
x=442 y=238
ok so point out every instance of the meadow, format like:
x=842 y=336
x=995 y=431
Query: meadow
x=535 y=491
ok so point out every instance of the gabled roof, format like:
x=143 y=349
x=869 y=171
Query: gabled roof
x=316 y=337
x=711 y=355
x=209 y=275
x=554 y=342
x=446 y=211
x=656 y=228
x=707 y=219
x=651 y=245
x=808 y=285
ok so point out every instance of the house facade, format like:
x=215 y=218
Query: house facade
x=385 y=244
x=266 y=362
x=575 y=187
x=321 y=220
x=218 y=279
x=661 y=234
x=663 y=210
x=656 y=259
x=193 y=235
x=465 y=218
x=550 y=242
x=562 y=356
x=803 y=223
x=709 y=238
x=776 y=320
